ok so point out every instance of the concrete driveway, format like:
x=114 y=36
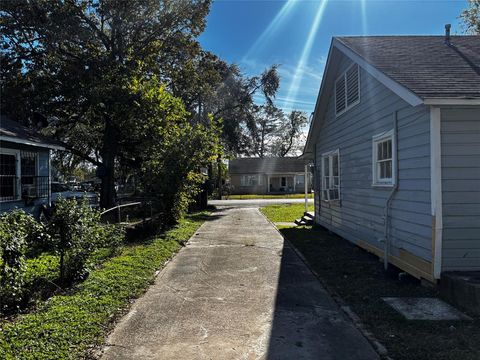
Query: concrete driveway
x=236 y=291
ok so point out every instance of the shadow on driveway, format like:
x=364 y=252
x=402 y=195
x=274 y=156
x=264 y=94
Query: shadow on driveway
x=307 y=323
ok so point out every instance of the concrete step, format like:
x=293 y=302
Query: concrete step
x=305 y=220
x=309 y=214
x=462 y=288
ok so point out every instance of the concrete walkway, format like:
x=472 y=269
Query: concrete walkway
x=237 y=291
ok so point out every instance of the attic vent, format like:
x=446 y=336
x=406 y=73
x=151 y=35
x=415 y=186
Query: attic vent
x=347 y=90
x=340 y=95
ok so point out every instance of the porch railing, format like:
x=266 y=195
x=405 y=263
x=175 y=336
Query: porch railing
x=34 y=187
x=24 y=187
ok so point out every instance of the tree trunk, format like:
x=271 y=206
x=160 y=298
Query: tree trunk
x=108 y=154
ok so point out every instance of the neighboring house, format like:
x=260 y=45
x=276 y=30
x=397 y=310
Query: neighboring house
x=395 y=140
x=25 y=172
x=268 y=175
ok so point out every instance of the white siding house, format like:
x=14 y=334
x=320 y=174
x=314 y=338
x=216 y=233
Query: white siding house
x=25 y=171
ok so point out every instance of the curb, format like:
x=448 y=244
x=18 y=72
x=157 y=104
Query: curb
x=357 y=322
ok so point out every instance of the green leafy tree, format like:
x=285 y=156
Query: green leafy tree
x=73 y=62
x=171 y=149
x=289 y=137
x=267 y=122
x=275 y=133
x=470 y=17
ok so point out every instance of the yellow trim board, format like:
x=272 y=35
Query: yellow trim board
x=406 y=261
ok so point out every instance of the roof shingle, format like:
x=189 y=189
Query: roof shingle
x=425 y=64
x=13 y=131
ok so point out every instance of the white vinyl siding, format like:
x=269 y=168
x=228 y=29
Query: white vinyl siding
x=383 y=150
x=347 y=90
x=331 y=176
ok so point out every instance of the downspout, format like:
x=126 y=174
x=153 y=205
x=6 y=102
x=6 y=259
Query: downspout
x=386 y=210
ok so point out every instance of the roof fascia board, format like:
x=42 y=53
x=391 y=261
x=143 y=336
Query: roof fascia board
x=30 y=143
x=391 y=84
x=445 y=101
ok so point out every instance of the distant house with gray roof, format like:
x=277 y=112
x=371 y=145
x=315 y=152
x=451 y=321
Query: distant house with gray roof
x=274 y=175
x=395 y=141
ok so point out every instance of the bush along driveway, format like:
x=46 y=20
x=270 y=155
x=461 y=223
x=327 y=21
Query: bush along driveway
x=70 y=325
x=359 y=279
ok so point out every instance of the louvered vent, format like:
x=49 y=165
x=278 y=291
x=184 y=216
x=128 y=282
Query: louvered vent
x=340 y=95
x=347 y=90
x=353 y=93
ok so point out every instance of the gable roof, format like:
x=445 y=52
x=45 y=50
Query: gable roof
x=265 y=165
x=425 y=65
x=419 y=69
x=14 y=132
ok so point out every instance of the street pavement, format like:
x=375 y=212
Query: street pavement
x=237 y=291
x=256 y=202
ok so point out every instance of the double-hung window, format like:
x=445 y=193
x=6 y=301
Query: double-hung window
x=347 y=90
x=331 y=176
x=383 y=149
x=250 y=180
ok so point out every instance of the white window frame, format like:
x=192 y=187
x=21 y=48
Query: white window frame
x=325 y=191
x=377 y=139
x=16 y=153
x=344 y=76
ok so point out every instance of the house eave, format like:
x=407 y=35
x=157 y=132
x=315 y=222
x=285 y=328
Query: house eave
x=30 y=143
x=451 y=101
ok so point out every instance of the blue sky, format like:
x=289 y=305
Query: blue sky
x=297 y=34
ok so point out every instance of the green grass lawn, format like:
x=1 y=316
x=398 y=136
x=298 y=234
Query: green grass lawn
x=67 y=326
x=281 y=196
x=360 y=280
x=285 y=213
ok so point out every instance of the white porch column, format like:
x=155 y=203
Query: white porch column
x=294 y=182
x=306 y=187
x=49 y=182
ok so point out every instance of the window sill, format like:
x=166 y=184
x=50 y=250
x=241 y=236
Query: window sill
x=380 y=185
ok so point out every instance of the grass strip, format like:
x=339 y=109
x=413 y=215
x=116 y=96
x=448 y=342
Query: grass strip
x=68 y=325
x=285 y=213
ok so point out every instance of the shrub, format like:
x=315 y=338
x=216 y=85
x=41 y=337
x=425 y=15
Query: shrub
x=68 y=325
x=18 y=230
x=77 y=232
